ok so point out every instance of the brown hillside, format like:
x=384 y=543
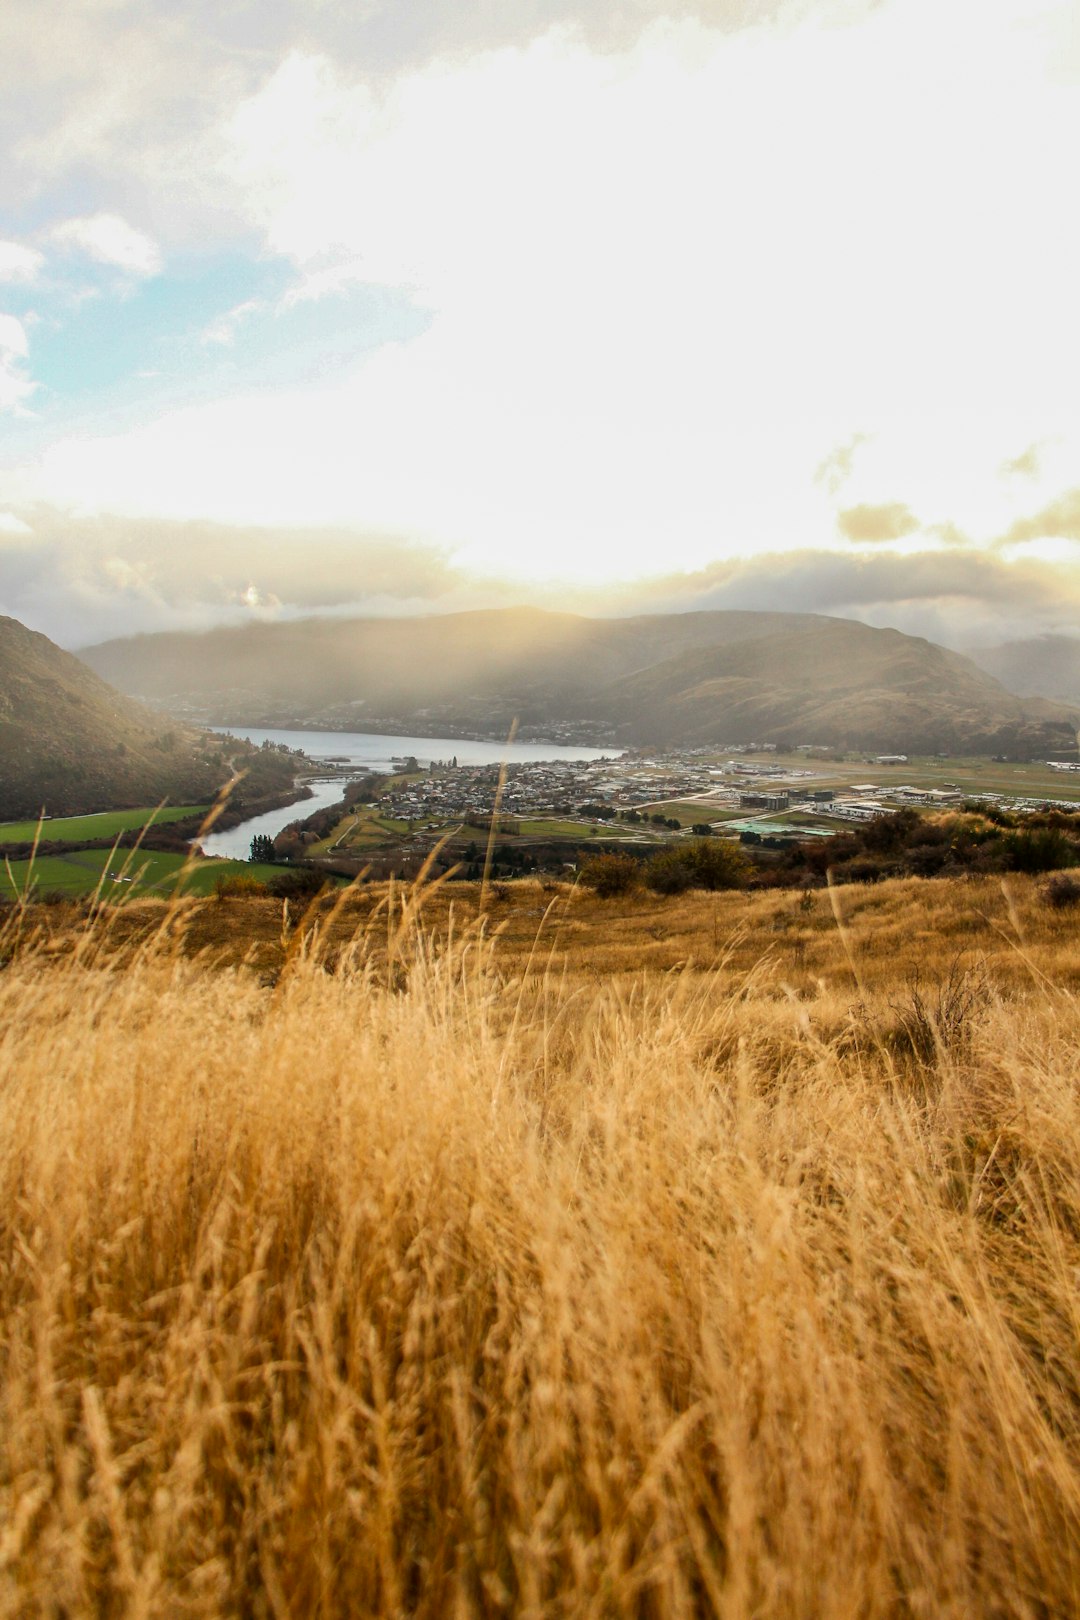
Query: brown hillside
x=70 y=743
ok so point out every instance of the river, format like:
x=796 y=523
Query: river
x=365 y=751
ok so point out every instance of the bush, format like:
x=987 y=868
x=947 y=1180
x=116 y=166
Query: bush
x=610 y=874
x=1062 y=891
x=707 y=863
x=1042 y=850
x=235 y=886
x=302 y=884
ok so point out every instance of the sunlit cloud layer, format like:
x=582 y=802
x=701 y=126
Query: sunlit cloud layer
x=567 y=304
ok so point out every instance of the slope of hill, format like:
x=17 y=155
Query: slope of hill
x=71 y=743
x=532 y=657
x=841 y=682
x=676 y=678
x=1047 y=665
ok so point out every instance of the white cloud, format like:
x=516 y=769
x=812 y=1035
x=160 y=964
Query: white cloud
x=664 y=282
x=223 y=330
x=12 y=525
x=18 y=262
x=12 y=338
x=15 y=383
x=108 y=239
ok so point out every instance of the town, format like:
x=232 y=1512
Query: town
x=741 y=791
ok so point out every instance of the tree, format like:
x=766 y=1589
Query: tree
x=262 y=848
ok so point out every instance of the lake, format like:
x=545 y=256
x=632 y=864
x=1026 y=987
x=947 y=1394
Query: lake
x=365 y=751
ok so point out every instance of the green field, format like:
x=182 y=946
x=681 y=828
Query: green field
x=973 y=775
x=108 y=824
x=149 y=872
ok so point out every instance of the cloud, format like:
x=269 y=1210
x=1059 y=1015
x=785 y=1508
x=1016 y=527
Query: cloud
x=837 y=467
x=18 y=262
x=15 y=383
x=1025 y=465
x=960 y=599
x=949 y=533
x=13 y=337
x=84 y=579
x=223 y=330
x=110 y=240
x=661 y=275
x=891 y=521
x=1058 y=520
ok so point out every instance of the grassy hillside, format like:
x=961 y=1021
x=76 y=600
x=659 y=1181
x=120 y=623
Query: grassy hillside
x=122 y=876
x=674 y=678
x=518 y=1277
x=70 y=743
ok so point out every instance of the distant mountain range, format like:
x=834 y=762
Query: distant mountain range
x=71 y=743
x=1047 y=665
x=692 y=678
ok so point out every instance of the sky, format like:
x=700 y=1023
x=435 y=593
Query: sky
x=346 y=306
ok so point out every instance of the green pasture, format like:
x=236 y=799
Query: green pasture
x=551 y=827
x=149 y=872
x=688 y=811
x=106 y=824
x=972 y=774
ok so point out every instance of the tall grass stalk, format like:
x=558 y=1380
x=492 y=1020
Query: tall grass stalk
x=416 y=1286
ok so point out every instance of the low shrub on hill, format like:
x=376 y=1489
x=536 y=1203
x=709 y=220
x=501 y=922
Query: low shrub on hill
x=611 y=874
x=706 y=863
x=904 y=844
x=1062 y=891
x=236 y=886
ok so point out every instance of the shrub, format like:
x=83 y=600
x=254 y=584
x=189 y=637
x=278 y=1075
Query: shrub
x=302 y=884
x=1062 y=891
x=1042 y=850
x=235 y=886
x=610 y=874
x=707 y=863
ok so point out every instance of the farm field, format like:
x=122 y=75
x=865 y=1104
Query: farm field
x=440 y=1251
x=107 y=824
x=121 y=873
x=972 y=775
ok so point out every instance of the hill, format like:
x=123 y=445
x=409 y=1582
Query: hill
x=1047 y=665
x=645 y=1260
x=72 y=743
x=841 y=682
x=673 y=678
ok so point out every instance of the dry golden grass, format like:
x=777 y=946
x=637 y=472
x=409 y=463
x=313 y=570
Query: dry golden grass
x=542 y=1277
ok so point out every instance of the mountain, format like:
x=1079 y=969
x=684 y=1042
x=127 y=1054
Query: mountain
x=841 y=682
x=399 y=666
x=662 y=678
x=71 y=743
x=1047 y=665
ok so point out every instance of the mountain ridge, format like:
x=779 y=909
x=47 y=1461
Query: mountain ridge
x=71 y=743
x=702 y=677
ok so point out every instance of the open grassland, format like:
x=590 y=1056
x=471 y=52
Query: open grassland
x=886 y=934
x=489 y=1263
x=108 y=824
x=121 y=873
